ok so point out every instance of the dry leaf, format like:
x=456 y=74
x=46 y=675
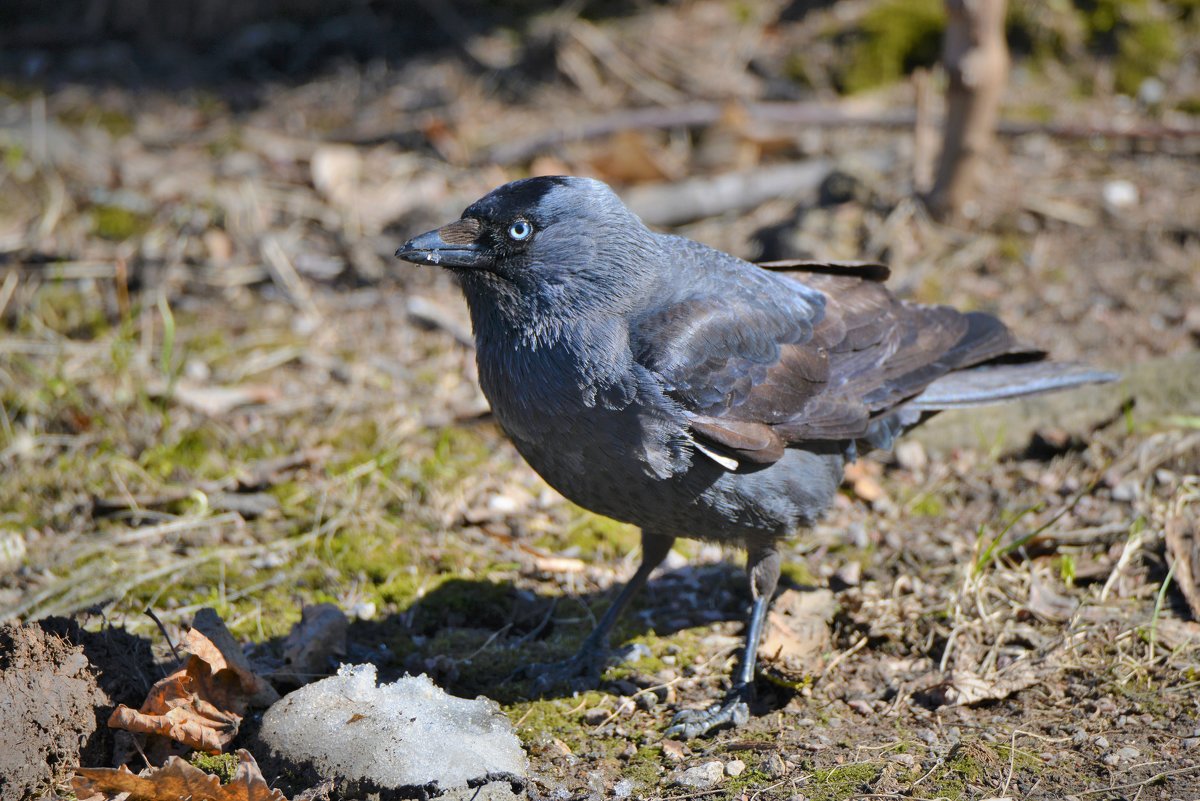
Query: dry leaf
x=174 y=709
x=201 y=705
x=176 y=781
x=216 y=401
x=314 y=642
x=965 y=687
x=1183 y=549
x=228 y=655
x=1048 y=604
x=797 y=633
x=863 y=480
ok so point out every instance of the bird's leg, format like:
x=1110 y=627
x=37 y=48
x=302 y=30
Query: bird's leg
x=762 y=565
x=584 y=668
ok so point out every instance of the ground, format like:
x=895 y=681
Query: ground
x=218 y=389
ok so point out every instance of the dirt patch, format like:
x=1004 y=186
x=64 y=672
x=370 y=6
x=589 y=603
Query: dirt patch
x=49 y=719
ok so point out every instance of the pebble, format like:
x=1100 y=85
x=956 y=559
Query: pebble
x=1100 y=742
x=623 y=788
x=1191 y=742
x=1119 y=194
x=861 y=706
x=907 y=760
x=1110 y=759
x=927 y=736
x=701 y=777
x=776 y=767
x=1128 y=753
x=595 y=716
x=735 y=767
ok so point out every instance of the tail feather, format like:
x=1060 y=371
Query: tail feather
x=980 y=386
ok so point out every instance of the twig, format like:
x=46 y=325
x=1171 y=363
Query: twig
x=849 y=652
x=163 y=630
x=1144 y=783
x=697 y=198
x=806 y=114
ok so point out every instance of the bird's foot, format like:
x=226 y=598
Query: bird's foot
x=734 y=710
x=581 y=672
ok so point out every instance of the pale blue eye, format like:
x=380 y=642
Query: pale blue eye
x=520 y=230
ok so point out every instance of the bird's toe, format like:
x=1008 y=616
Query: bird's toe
x=734 y=711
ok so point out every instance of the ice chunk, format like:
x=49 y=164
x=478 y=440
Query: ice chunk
x=405 y=734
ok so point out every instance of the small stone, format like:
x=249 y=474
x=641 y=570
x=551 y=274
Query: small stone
x=910 y=454
x=1110 y=759
x=673 y=750
x=1119 y=194
x=701 y=777
x=776 y=768
x=1100 y=742
x=927 y=736
x=907 y=760
x=623 y=788
x=595 y=716
x=1128 y=753
x=861 y=707
x=1191 y=742
x=1079 y=738
x=735 y=767
x=646 y=701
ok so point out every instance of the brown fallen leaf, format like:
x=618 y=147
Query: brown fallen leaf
x=215 y=401
x=176 y=710
x=175 y=781
x=1183 y=550
x=966 y=688
x=1047 y=603
x=200 y=705
x=863 y=479
x=797 y=634
x=227 y=655
x=314 y=643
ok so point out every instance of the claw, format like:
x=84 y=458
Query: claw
x=581 y=672
x=733 y=711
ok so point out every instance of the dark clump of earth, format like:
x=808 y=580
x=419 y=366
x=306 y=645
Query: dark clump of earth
x=59 y=684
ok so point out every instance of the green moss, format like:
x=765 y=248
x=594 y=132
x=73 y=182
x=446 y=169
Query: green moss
x=116 y=123
x=223 y=766
x=799 y=574
x=843 y=781
x=116 y=223
x=896 y=37
x=593 y=537
x=645 y=768
x=1143 y=40
x=557 y=718
x=186 y=455
x=927 y=505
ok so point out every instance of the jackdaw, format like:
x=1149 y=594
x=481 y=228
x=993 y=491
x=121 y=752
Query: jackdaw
x=663 y=383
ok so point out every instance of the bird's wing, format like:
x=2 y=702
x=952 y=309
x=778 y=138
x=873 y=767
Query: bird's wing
x=756 y=373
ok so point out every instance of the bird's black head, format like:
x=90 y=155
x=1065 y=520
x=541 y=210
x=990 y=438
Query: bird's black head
x=540 y=244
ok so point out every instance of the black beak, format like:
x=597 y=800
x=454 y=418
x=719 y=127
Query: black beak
x=431 y=248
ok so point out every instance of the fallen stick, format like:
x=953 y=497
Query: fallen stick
x=696 y=198
x=807 y=114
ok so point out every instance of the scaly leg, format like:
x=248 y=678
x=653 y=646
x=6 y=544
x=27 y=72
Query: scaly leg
x=583 y=669
x=762 y=565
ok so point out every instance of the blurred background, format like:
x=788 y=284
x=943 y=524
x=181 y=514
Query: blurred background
x=218 y=388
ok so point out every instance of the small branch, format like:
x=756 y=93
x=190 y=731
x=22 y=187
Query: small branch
x=697 y=198
x=976 y=58
x=801 y=114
